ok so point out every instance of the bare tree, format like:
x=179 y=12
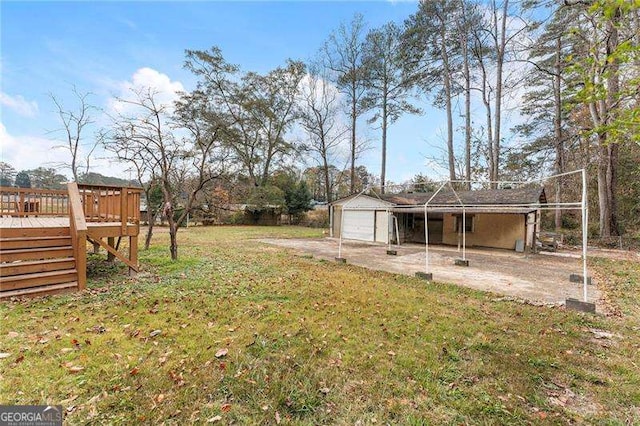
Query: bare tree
x=501 y=37
x=74 y=125
x=467 y=19
x=343 y=54
x=320 y=119
x=180 y=149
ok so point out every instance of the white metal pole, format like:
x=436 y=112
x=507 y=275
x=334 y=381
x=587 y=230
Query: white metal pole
x=397 y=231
x=388 y=230
x=331 y=212
x=426 y=241
x=585 y=224
x=464 y=234
x=341 y=227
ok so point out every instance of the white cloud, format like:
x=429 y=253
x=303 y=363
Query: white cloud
x=19 y=104
x=143 y=79
x=28 y=152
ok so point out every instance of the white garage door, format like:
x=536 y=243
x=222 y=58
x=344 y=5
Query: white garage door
x=358 y=225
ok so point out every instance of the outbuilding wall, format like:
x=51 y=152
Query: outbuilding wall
x=489 y=230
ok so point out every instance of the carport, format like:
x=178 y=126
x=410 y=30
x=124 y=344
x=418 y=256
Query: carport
x=354 y=208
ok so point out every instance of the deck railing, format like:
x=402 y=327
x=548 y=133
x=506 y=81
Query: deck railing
x=20 y=202
x=101 y=203
x=110 y=203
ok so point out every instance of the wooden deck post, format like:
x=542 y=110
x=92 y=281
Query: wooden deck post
x=133 y=253
x=111 y=242
x=81 y=259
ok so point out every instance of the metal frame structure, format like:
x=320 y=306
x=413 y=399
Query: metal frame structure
x=429 y=206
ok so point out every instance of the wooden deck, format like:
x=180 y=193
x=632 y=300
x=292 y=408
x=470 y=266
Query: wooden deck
x=44 y=235
x=97 y=229
x=33 y=222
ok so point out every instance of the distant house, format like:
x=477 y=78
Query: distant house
x=261 y=215
x=500 y=218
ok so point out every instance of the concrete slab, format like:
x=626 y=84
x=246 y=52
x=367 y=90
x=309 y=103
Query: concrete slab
x=531 y=277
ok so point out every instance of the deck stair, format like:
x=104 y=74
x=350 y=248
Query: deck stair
x=32 y=264
x=44 y=235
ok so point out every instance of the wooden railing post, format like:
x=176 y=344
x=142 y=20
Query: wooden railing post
x=123 y=210
x=78 y=228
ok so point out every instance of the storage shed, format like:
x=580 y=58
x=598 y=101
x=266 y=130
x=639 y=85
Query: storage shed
x=365 y=218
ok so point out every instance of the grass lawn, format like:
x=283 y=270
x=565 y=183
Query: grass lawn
x=237 y=331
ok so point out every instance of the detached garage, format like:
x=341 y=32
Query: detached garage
x=365 y=219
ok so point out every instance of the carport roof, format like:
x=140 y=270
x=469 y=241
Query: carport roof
x=519 y=197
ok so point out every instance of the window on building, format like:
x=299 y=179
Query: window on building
x=468 y=223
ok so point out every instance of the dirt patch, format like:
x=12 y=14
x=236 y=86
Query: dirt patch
x=534 y=278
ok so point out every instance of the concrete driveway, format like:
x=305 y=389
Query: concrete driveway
x=537 y=278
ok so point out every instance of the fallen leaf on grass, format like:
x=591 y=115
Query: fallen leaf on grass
x=277 y=418
x=391 y=353
x=155 y=333
x=214 y=419
x=225 y=408
x=19 y=359
x=134 y=371
x=12 y=334
x=160 y=398
x=4 y=355
x=75 y=369
x=222 y=352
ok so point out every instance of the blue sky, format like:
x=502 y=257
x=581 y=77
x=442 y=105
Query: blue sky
x=100 y=47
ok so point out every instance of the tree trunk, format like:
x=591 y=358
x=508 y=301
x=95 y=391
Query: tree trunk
x=608 y=149
x=352 y=188
x=467 y=115
x=557 y=124
x=173 y=235
x=613 y=86
x=173 y=226
x=500 y=53
x=447 y=94
x=487 y=105
x=325 y=169
x=151 y=220
x=384 y=140
x=603 y=190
